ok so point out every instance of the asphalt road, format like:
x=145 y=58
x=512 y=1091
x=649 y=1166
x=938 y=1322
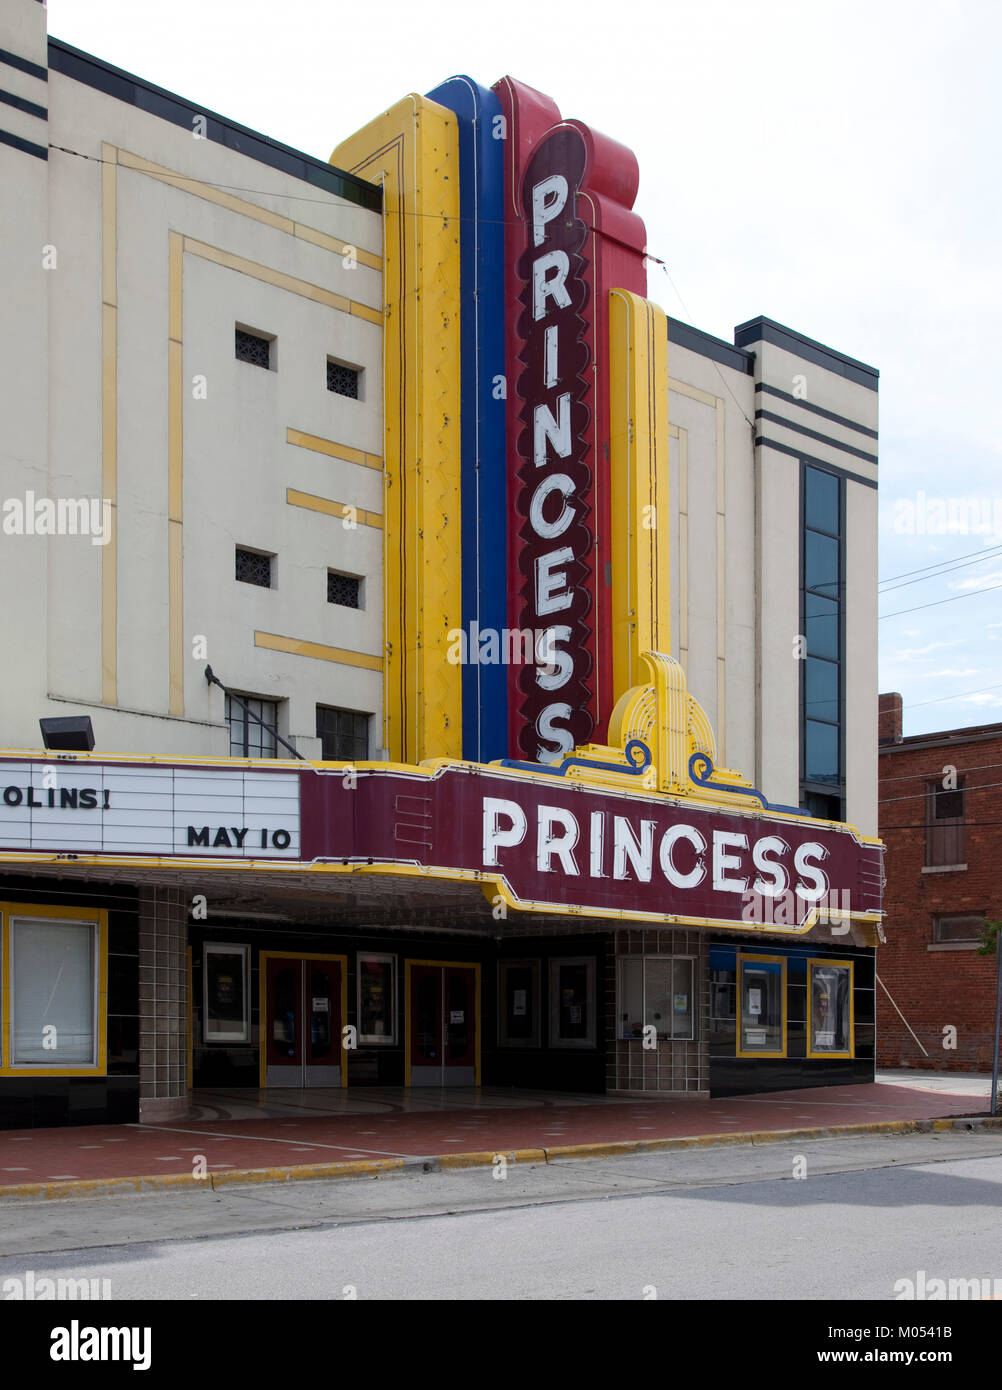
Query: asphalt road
x=698 y=1224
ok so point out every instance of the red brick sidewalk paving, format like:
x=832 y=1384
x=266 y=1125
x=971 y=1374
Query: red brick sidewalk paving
x=124 y=1151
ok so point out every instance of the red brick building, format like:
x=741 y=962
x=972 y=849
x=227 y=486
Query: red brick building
x=941 y=820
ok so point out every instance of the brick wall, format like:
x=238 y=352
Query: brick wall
x=938 y=988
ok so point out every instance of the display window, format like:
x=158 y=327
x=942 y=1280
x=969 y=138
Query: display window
x=518 y=1003
x=572 y=1001
x=53 y=971
x=657 y=992
x=225 y=992
x=829 y=1008
x=762 y=1006
x=377 y=998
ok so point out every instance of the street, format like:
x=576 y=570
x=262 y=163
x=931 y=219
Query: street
x=731 y=1222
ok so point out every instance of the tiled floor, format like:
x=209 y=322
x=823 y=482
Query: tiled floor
x=248 y=1129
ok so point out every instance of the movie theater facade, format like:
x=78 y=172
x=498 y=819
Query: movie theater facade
x=472 y=669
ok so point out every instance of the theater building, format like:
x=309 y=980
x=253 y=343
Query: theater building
x=939 y=820
x=451 y=669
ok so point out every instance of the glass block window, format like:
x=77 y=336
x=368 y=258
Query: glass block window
x=343 y=734
x=248 y=738
x=342 y=380
x=253 y=348
x=344 y=589
x=252 y=568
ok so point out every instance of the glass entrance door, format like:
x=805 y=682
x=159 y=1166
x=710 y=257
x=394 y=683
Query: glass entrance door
x=301 y=1020
x=443 y=1020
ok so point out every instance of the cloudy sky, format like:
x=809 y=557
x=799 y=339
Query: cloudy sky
x=834 y=166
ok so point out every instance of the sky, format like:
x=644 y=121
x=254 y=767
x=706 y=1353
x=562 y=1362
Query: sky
x=833 y=166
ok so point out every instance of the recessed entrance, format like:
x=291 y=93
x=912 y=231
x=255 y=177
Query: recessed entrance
x=442 y=1023
x=302 y=1010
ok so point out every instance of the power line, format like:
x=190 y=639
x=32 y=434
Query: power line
x=975 y=593
x=962 y=565
x=905 y=573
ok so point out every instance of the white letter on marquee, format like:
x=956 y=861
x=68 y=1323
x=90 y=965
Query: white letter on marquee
x=548 y=844
x=556 y=431
x=549 y=197
x=553 y=288
x=494 y=836
x=722 y=861
x=549 y=582
x=552 y=482
x=697 y=873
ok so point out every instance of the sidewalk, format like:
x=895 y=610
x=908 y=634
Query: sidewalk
x=376 y=1130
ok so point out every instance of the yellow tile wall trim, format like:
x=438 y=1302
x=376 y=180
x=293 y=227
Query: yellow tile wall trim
x=327 y=505
x=109 y=422
x=412 y=150
x=295 y=646
x=337 y=245
x=335 y=450
x=290 y=283
x=175 y=478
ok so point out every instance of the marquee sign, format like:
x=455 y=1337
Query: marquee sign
x=570 y=236
x=647 y=829
x=89 y=807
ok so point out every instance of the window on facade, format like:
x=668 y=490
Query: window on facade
x=344 y=589
x=572 y=1001
x=657 y=992
x=377 y=996
x=255 y=348
x=965 y=927
x=225 y=991
x=343 y=734
x=53 y=992
x=253 y=568
x=822 y=597
x=762 y=1003
x=518 y=1003
x=248 y=739
x=945 y=838
x=829 y=1008
x=342 y=380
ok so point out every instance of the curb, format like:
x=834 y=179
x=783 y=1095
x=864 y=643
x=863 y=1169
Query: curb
x=486 y=1158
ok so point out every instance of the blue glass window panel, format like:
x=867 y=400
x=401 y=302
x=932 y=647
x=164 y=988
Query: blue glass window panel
x=821 y=563
x=821 y=626
x=821 y=509
x=821 y=689
x=821 y=763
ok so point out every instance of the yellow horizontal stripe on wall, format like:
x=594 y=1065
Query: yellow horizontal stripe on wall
x=296 y=647
x=329 y=507
x=198 y=189
x=334 y=450
x=290 y=283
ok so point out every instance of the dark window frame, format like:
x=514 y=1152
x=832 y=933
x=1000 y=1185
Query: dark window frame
x=231 y=708
x=249 y=553
x=355 y=756
x=945 y=836
x=812 y=788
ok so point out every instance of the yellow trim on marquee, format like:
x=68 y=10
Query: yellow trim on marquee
x=412 y=150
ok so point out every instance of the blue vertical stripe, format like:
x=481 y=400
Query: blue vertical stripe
x=482 y=430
